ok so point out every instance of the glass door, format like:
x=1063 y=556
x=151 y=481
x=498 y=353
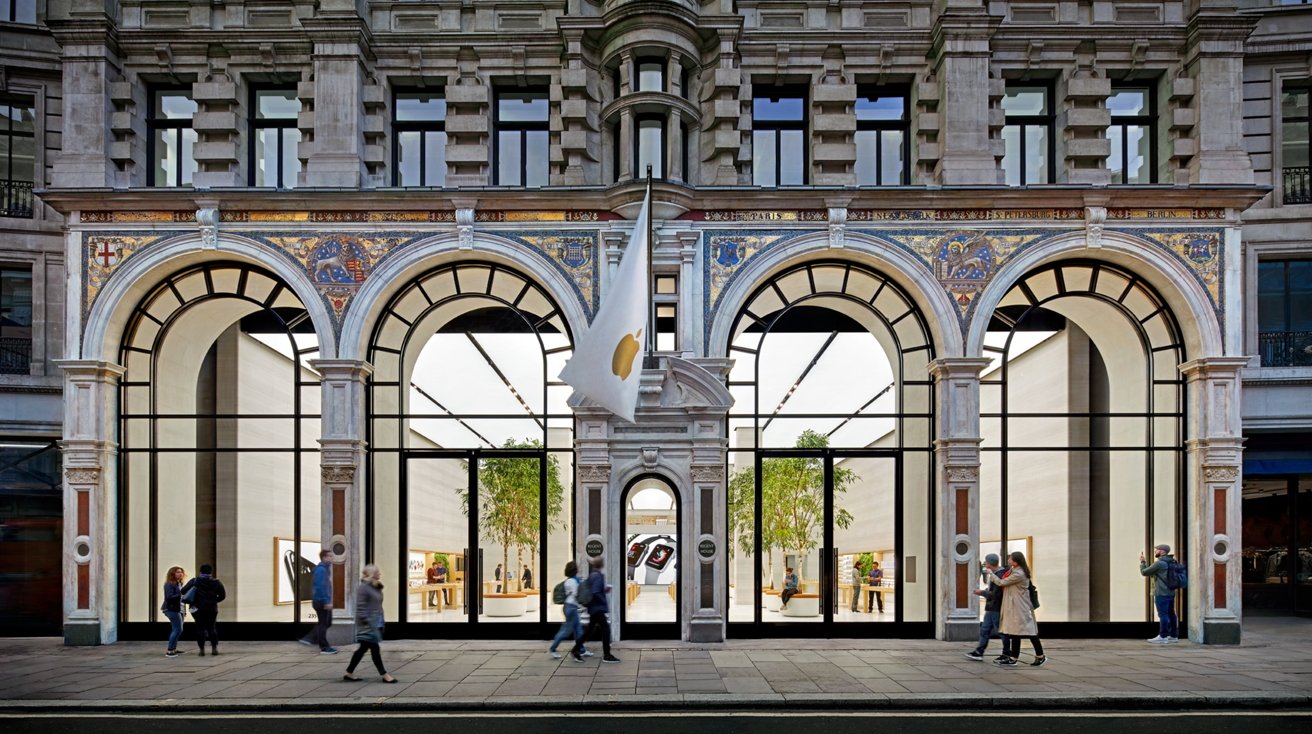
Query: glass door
x=867 y=533
x=438 y=562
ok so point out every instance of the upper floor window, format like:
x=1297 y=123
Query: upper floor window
x=171 y=139
x=665 y=298
x=881 y=137
x=18 y=11
x=1133 y=135
x=17 y=156
x=275 y=138
x=650 y=75
x=15 y=320
x=1027 y=135
x=1284 y=312
x=1294 y=124
x=419 y=121
x=523 y=146
x=778 y=136
x=650 y=146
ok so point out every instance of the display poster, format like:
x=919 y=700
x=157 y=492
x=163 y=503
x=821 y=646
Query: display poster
x=653 y=559
x=416 y=568
x=293 y=567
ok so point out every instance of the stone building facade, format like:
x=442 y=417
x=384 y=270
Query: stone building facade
x=947 y=180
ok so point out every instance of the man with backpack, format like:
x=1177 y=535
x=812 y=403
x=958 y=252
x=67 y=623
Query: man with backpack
x=594 y=595
x=1168 y=577
x=566 y=595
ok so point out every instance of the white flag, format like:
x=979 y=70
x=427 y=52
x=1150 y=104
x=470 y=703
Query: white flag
x=607 y=361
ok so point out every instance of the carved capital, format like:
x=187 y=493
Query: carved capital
x=82 y=475
x=594 y=472
x=963 y=474
x=339 y=474
x=1221 y=473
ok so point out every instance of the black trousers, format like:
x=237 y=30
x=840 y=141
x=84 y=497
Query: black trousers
x=206 y=626
x=325 y=617
x=1011 y=645
x=597 y=623
x=375 y=652
x=875 y=596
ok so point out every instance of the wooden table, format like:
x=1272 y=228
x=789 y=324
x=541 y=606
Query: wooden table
x=881 y=590
x=457 y=592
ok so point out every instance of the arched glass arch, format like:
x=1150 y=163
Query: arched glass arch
x=470 y=447
x=1082 y=415
x=831 y=439
x=219 y=424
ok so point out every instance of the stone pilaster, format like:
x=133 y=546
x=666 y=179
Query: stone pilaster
x=341 y=42
x=342 y=449
x=1215 y=60
x=1212 y=500
x=956 y=520
x=961 y=52
x=90 y=510
x=88 y=39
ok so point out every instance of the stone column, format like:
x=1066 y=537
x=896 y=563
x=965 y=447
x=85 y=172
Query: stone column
x=342 y=448
x=1215 y=60
x=956 y=520
x=1212 y=550
x=88 y=41
x=337 y=151
x=962 y=33
x=674 y=146
x=90 y=508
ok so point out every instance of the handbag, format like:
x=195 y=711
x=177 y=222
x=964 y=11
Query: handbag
x=1034 y=596
x=190 y=596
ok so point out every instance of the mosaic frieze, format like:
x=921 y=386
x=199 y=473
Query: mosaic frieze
x=344 y=216
x=1200 y=249
x=965 y=261
x=1066 y=214
x=104 y=253
x=726 y=252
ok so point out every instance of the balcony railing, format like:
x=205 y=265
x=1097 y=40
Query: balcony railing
x=15 y=198
x=1285 y=348
x=15 y=355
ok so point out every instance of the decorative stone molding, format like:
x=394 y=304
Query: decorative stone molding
x=465 y=228
x=82 y=475
x=1221 y=473
x=208 y=219
x=338 y=474
x=1094 y=217
x=963 y=474
x=650 y=456
x=594 y=472
x=708 y=474
x=837 y=226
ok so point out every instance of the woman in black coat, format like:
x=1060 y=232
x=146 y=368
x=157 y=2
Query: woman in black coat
x=209 y=592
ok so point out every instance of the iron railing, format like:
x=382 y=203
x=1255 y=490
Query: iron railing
x=15 y=198
x=1285 y=348
x=1298 y=185
x=15 y=355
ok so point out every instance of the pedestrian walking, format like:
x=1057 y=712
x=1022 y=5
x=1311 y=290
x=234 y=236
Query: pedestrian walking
x=1167 y=575
x=172 y=608
x=573 y=625
x=369 y=623
x=207 y=593
x=527 y=577
x=322 y=601
x=992 y=595
x=1017 y=612
x=594 y=594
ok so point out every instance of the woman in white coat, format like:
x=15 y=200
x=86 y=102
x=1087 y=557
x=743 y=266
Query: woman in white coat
x=1017 y=612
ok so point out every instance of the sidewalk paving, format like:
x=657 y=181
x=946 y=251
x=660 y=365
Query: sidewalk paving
x=1273 y=668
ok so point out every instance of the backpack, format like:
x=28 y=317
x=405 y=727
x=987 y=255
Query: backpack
x=558 y=594
x=1177 y=576
x=1034 y=596
x=584 y=596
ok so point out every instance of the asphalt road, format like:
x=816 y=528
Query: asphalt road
x=772 y=722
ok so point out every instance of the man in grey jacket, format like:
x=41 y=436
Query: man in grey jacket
x=992 y=610
x=1163 y=595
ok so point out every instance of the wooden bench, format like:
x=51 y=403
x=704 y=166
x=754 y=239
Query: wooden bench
x=802 y=605
x=505 y=605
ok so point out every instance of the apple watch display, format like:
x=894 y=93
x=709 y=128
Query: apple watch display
x=660 y=556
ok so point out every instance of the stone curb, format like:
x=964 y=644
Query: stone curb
x=1106 y=701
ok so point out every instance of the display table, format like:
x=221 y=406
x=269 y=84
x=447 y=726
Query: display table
x=802 y=605
x=881 y=590
x=631 y=591
x=505 y=605
x=673 y=591
x=454 y=592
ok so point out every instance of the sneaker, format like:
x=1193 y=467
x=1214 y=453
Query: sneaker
x=1039 y=662
x=1171 y=640
x=328 y=651
x=576 y=658
x=587 y=653
x=171 y=654
x=1007 y=663
x=554 y=655
x=1158 y=640
x=1000 y=659
x=610 y=659
x=975 y=656
x=305 y=641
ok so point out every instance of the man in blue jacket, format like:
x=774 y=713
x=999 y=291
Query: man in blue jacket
x=322 y=601
x=598 y=614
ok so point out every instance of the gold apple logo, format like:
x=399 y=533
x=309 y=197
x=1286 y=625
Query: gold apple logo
x=622 y=362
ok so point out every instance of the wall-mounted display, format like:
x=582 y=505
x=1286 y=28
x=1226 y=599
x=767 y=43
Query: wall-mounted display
x=294 y=568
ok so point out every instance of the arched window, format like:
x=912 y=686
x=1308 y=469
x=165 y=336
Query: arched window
x=830 y=451
x=219 y=462
x=1082 y=416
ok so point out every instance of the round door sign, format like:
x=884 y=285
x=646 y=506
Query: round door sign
x=593 y=548
x=706 y=548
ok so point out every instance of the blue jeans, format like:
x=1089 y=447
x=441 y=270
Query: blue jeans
x=572 y=627
x=175 y=619
x=1169 y=623
x=987 y=629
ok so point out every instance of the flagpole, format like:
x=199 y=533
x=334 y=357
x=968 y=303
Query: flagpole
x=651 y=277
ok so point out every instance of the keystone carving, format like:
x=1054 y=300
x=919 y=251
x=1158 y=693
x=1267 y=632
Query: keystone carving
x=208 y=219
x=339 y=475
x=1094 y=217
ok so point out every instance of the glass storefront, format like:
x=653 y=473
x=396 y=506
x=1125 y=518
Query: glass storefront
x=31 y=526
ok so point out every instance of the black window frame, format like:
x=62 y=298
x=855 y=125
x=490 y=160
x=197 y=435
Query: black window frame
x=1148 y=122
x=16 y=348
x=1286 y=346
x=1296 y=181
x=639 y=169
x=423 y=127
x=154 y=124
x=876 y=91
x=1046 y=121
x=256 y=123
x=16 y=196
x=499 y=126
x=774 y=93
